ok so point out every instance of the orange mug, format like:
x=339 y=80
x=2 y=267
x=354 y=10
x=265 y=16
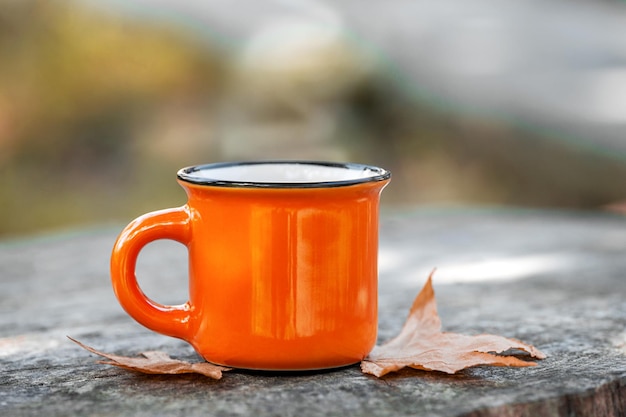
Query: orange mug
x=282 y=263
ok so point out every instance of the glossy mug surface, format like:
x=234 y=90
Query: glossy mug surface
x=282 y=263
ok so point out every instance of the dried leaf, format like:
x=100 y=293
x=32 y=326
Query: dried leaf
x=155 y=362
x=422 y=345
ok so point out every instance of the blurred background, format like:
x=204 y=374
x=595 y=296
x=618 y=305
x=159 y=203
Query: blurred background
x=480 y=102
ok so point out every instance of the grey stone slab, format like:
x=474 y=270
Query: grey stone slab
x=553 y=279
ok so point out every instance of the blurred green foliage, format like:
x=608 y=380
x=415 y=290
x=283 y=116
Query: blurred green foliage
x=76 y=88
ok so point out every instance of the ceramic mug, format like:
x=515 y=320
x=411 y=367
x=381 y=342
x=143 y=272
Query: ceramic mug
x=282 y=263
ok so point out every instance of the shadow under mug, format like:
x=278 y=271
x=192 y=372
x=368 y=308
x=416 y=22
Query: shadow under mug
x=282 y=263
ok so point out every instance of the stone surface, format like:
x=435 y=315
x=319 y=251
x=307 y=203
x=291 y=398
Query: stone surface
x=553 y=279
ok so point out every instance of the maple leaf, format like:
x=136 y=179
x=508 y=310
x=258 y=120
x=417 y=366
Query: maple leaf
x=155 y=362
x=422 y=345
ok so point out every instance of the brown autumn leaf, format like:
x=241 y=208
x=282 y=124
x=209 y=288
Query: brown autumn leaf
x=422 y=345
x=155 y=362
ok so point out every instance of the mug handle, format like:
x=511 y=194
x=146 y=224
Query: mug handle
x=174 y=224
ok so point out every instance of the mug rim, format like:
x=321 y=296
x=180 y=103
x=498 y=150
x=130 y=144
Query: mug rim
x=378 y=174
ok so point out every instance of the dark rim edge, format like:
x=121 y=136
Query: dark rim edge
x=185 y=174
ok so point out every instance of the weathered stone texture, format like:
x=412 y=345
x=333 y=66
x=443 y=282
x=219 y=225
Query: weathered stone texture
x=556 y=280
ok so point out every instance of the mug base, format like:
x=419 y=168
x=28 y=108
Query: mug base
x=296 y=356
x=288 y=369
